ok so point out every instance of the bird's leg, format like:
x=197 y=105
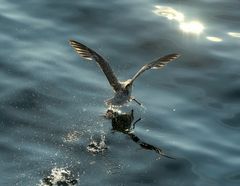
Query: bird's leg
x=139 y=119
x=134 y=99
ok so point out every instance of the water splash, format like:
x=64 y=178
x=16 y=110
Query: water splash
x=72 y=136
x=97 y=146
x=59 y=177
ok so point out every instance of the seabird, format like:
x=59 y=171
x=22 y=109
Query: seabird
x=122 y=89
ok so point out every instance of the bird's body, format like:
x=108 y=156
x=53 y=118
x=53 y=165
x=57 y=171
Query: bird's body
x=121 y=96
x=122 y=89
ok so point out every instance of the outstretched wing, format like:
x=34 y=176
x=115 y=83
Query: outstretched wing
x=156 y=64
x=89 y=54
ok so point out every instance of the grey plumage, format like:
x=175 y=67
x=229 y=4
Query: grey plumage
x=156 y=64
x=89 y=54
x=122 y=89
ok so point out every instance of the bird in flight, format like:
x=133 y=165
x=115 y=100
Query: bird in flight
x=122 y=89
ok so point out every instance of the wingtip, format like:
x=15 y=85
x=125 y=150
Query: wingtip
x=71 y=41
x=176 y=56
x=171 y=57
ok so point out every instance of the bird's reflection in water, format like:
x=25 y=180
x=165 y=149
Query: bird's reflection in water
x=124 y=123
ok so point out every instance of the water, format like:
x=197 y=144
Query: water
x=51 y=100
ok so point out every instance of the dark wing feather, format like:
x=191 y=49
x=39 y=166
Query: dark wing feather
x=156 y=64
x=89 y=54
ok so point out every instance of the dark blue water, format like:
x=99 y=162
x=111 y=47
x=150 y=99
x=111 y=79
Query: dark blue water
x=51 y=99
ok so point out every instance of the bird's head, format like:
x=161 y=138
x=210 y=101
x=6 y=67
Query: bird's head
x=127 y=85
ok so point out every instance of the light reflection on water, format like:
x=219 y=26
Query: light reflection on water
x=169 y=13
x=190 y=27
x=234 y=34
x=194 y=27
x=51 y=100
x=214 y=39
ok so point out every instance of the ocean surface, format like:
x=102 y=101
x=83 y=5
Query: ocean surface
x=52 y=100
